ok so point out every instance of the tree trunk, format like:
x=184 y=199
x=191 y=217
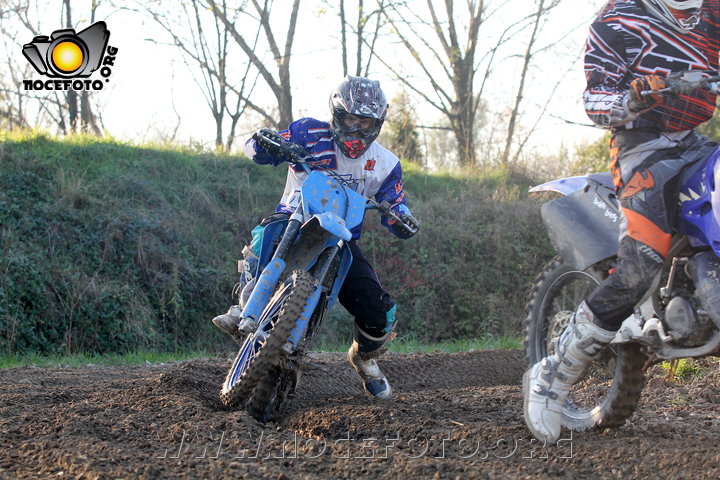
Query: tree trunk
x=360 y=38
x=71 y=96
x=343 y=38
x=504 y=160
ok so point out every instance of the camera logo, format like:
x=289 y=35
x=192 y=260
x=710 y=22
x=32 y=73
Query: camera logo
x=67 y=55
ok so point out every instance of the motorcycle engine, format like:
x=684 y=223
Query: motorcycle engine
x=687 y=327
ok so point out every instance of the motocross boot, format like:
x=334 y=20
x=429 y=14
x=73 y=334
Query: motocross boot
x=362 y=356
x=230 y=322
x=547 y=383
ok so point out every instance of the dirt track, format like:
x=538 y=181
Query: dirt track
x=452 y=416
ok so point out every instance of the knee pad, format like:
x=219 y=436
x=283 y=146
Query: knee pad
x=259 y=231
x=390 y=320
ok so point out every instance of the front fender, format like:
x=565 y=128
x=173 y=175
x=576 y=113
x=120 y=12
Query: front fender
x=565 y=186
x=584 y=226
x=314 y=237
x=334 y=224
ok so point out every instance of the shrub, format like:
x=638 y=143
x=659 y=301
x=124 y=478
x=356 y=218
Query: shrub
x=109 y=247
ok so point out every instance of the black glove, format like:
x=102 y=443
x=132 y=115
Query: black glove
x=639 y=103
x=294 y=153
x=269 y=140
x=409 y=226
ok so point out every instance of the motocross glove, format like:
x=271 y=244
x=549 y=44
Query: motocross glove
x=294 y=153
x=409 y=226
x=269 y=140
x=636 y=101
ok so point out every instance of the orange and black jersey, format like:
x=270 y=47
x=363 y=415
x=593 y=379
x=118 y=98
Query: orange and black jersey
x=626 y=42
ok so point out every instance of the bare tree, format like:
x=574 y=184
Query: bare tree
x=456 y=59
x=207 y=50
x=365 y=27
x=543 y=8
x=453 y=56
x=400 y=133
x=88 y=118
x=65 y=111
x=278 y=83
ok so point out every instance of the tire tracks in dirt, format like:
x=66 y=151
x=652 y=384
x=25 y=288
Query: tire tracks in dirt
x=452 y=416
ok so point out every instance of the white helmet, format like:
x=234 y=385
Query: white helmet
x=685 y=18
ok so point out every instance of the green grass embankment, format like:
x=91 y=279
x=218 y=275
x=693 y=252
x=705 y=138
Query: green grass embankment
x=108 y=247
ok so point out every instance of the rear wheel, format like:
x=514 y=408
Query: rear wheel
x=610 y=388
x=557 y=292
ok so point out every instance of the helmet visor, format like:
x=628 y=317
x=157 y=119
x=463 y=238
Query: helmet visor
x=357 y=126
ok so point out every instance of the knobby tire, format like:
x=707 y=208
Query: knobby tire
x=270 y=355
x=557 y=291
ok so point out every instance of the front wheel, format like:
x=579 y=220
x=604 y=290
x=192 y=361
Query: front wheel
x=278 y=386
x=610 y=389
x=261 y=353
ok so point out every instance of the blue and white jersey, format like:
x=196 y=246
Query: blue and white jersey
x=376 y=173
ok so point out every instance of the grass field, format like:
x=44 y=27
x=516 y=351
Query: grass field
x=147 y=357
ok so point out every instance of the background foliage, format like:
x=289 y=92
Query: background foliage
x=109 y=247
x=595 y=157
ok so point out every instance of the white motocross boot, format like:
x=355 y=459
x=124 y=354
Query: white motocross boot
x=362 y=356
x=547 y=383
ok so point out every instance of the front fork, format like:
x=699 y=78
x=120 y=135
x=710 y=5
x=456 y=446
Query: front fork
x=321 y=271
x=267 y=281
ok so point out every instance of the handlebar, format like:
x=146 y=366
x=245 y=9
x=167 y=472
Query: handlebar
x=688 y=80
x=296 y=155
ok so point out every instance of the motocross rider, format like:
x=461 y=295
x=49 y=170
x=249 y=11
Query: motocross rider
x=633 y=45
x=346 y=145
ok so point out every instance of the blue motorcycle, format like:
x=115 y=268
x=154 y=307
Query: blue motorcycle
x=678 y=317
x=305 y=262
